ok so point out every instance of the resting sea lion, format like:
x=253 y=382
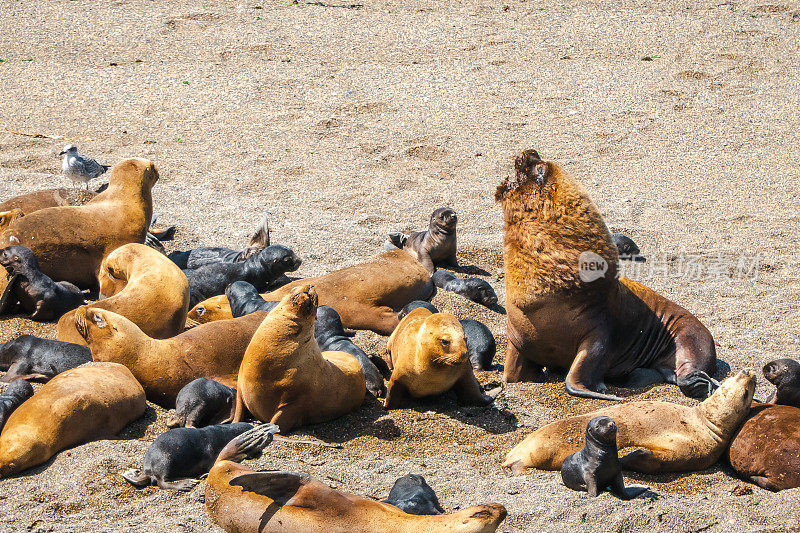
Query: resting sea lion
x=202 y=402
x=91 y=402
x=766 y=450
x=596 y=467
x=414 y=305
x=193 y=259
x=29 y=357
x=412 y=495
x=475 y=289
x=427 y=354
x=785 y=375
x=261 y=270
x=71 y=241
x=566 y=306
x=285 y=378
x=11 y=398
x=366 y=296
x=37 y=294
x=670 y=437
x=246 y=501
x=7 y=217
x=436 y=245
x=164 y=367
x=626 y=248
x=143 y=286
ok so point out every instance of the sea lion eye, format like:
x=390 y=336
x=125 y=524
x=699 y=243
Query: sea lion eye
x=99 y=320
x=445 y=343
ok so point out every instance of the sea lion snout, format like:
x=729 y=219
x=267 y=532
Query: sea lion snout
x=304 y=299
x=492 y=513
x=603 y=429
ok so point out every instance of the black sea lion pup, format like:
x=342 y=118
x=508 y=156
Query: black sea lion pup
x=202 y=402
x=627 y=248
x=413 y=495
x=596 y=466
x=413 y=305
x=261 y=270
x=36 y=293
x=480 y=343
x=29 y=357
x=193 y=259
x=436 y=245
x=12 y=397
x=474 y=289
x=785 y=375
x=245 y=299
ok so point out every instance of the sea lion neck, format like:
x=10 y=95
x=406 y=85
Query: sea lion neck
x=724 y=410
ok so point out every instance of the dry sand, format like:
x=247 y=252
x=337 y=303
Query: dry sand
x=347 y=123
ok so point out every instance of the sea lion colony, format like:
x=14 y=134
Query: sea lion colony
x=285 y=358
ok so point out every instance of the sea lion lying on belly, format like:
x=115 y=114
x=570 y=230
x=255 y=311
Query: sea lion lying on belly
x=566 y=306
x=29 y=357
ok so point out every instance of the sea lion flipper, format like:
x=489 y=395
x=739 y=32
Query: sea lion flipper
x=396 y=395
x=279 y=486
x=398 y=239
x=642 y=460
x=182 y=485
x=469 y=391
x=8 y=299
x=697 y=384
x=136 y=477
x=580 y=379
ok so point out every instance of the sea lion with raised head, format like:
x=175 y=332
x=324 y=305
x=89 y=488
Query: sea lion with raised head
x=427 y=355
x=11 y=398
x=434 y=246
x=474 y=289
x=32 y=291
x=669 y=437
x=201 y=403
x=412 y=495
x=245 y=501
x=785 y=375
x=91 y=402
x=285 y=379
x=366 y=296
x=596 y=466
x=194 y=259
x=566 y=306
x=143 y=286
x=34 y=358
x=165 y=366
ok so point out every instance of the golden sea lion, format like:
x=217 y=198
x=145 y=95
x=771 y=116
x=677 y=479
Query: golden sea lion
x=670 y=437
x=163 y=367
x=93 y=401
x=245 y=501
x=366 y=296
x=71 y=241
x=142 y=285
x=7 y=217
x=286 y=380
x=568 y=309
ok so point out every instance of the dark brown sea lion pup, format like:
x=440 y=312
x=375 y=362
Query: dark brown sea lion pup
x=201 y=403
x=474 y=289
x=412 y=495
x=143 y=286
x=193 y=259
x=164 y=367
x=245 y=501
x=596 y=466
x=91 y=402
x=366 y=296
x=70 y=242
x=11 y=398
x=785 y=375
x=261 y=270
x=669 y=437
x=37 y=295
x=434 y=246
x=766 y=450
x=566 y=306
x=427 y=355
x=328 y=332
x=29 y=357
x=285 y=379
x=626 y=248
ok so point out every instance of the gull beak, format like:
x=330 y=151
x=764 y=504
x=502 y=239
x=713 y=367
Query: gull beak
x=62 y=152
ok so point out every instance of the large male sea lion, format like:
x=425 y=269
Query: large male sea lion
x=71 y=241
x=91 y=402
x=285 y=378
x=143 y=286
x=164 y=367
x=245 y=501
x=434 y=246
x=29 y=357
x=566 y=306
x=670 y=437
x=366 y=296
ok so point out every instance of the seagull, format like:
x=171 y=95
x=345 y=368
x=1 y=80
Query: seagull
x=79 y=167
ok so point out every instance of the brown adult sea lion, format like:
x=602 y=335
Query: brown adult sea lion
x=142 y=285
x=566 y=306
x=366 y=296
x=285 y=378
x=70 y=242
x=670 y=437
x=164 y=367
x=93 y=401
x=246 y=501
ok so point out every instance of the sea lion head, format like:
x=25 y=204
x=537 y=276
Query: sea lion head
x=97 y=325
x=783 y=372
x=302 y=301
x=214 y=308
x=479 y=518
x=15 y=258
x=275 y=261
x=730 y=403
x=602 y=430
x=136 y=172
x=443 y=220
x=442 y=338
x=7 y=217
x=113 y=276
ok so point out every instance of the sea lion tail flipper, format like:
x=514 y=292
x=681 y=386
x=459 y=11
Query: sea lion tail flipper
x=697 y=384
x=183 y=485
x=618 y=489
x=278 y=486
x=260 y=238
x=153 y=242
x=137 y=478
